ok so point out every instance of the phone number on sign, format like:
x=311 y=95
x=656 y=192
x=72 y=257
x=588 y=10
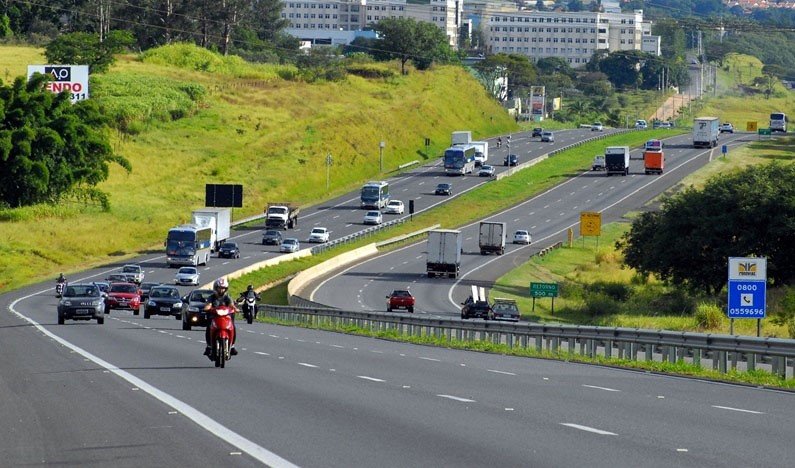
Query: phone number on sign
x=754 y=312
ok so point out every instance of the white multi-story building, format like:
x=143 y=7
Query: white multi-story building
x=309 y=18
x=573 y=36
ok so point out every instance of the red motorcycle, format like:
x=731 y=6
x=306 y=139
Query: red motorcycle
x=222 y=335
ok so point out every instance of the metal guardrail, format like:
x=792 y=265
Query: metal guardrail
x=723 y=351
x=356 y=236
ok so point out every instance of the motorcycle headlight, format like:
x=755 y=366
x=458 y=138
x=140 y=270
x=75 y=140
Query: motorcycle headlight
x=178 y=305
x=151 y=304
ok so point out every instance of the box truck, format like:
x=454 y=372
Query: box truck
x=705 y=132
x=444 y=253
x=218 y=219
x=653 y=162
x=461 y=137
x=481 y=152
x=617 y=160
x=491 y=238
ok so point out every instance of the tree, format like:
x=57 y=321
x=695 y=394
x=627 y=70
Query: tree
x=48 y=146
x=518 y=69
x=408 y=39
x=86 y=49
x=623 y=67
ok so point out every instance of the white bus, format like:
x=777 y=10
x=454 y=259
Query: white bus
x=778 y=122
x=375 y=195
x=460 y=159
x=189 y=244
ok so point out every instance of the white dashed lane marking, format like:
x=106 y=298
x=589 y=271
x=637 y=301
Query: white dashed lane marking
x=452 y=397
x=588 y=429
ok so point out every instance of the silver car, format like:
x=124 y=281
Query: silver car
x=548 y=137
x=187 y=276
x=290 y=245
x=373 y=217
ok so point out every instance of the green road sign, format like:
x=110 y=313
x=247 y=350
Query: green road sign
x=764 y=131
x=543 y=289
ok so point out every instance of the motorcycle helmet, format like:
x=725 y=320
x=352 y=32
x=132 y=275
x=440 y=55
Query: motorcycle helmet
x=249 y=288
x=221 y=284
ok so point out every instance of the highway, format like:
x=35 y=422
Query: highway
x=137 y=392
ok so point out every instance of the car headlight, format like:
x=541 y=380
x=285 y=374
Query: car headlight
x=151 y=304
x=178 y=305
x=98 y=303
x=66 y=303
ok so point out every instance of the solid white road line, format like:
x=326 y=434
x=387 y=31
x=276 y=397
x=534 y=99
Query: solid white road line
x=261 y=353
x=371 y=379
x=500 y=372
x=737 y=409
x=429 y=359
x=307 y=365
x=451 y=397
x=588 y=429
x=602 y=388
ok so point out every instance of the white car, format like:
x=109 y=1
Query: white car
x=290 y=245
x=597 y=127
x=641 y=124
x=319 y=235
x=373 y=217
x=726 y=128
x=187 y=276
x=522 y=237
x=394 y=207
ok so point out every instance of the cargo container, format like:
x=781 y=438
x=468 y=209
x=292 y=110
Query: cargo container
x=491 y=238
x=653 y=162
x=444 y=253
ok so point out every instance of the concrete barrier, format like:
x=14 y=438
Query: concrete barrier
x=265 y=263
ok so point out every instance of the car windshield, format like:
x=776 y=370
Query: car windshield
x=200 y=296
x=290 y=241
x=130 y=269
x=319 y=231
x=272 y=233
x=148 y=286
x=373 y=214
x=401 y=294
x=393 y=203
x=187 y=271
x=487 y=168
x=444 y=186
x=505 y=307
x=228 y=245
x=164 y=292
x=521 y=233
x=123 y=288
x=81 y=291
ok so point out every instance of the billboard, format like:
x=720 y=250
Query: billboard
x=223 y=195
x=537 y=95
x=70 y=78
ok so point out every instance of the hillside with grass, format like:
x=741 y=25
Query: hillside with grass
x=184 y=117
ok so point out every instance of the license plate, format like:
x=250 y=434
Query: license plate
x=83 y=311
x=165 y=309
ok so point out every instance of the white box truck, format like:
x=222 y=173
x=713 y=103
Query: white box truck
x=461 y=137
x=491 y=238
x=444 y=253
x=705 y=132
x=219 y=219
x=481 y=152
x=617 y=160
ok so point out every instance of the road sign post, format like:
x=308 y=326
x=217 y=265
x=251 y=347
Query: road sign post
x=538 y=290
x=747 y=290
x=724 y=149
x=590 y=225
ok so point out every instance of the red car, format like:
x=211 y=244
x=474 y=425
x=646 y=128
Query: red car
x=124 y=296
x=400 y=299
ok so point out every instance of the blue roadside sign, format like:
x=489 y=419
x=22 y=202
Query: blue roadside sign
x=724 y=149
x=747 y=299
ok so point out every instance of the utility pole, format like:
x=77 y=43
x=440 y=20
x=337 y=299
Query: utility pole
x=381 y=155
x=328 y=171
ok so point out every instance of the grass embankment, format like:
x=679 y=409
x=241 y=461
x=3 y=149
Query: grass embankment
x=596 y=288
x=191 y=117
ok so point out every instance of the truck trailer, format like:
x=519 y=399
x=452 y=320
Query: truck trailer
x=444 y=253
x=653 y=162
x=218 y=219
x=491 y=238
x=705 y=132
x=461 y=137
x=617 y=160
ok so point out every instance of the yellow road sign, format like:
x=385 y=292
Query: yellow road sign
x=751 y=126
x=590 y=223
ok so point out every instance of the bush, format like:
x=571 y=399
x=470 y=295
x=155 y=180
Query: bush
x=708 y=316
x=599 y=304
x=791 y=327
x=616 y=291
x=369 y=71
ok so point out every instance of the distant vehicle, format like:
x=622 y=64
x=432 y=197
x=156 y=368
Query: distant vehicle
x=666 y=125
x=444 y=253
x=124 y=296
x=641 y=124
x=597 y=127
x=598 y=164
x=81 y=302
x=271 y=237
x=693 y=62
x=476 y=305
x=373 y=217
x=187 y=276
x=117 y=278
x=548 y=137
x=460 y=159
x=537 y=132
x=653 y=145
x=505 y=309
x=318 y=235
x=193 y=314
x=510 y=160
x=778 y=122
x=444 y=189
x=229 y=250
x=394 y=207
x=144 y=288
x=375 y=195
x=104 y=289
x=281 y=215
x=400 y=299
x=219 y=220
x=617 y=160
x=461 y=137
x=486 y=171
x=653 y=162
x=290 y=245
x=189 y=244
x=163 y=300
x=481 y=152
x=705 y=132
x=491 y=237
x=522 y=236
x=726 y=127
x=134 y=272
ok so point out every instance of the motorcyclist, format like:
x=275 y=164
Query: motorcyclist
x=61 y=278
x=249 y=293
x=219 y=298
x=499 y=142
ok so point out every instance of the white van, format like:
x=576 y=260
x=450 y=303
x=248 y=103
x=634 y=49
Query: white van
x=641 y=124
x=778 y=122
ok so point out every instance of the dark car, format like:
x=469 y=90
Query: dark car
x=271 y=237
x=81 y=302
x=124 y=296
x=400 y=299
x=444 y=189
x=163 y=300
x=510 y=160
x=537 y=132
x=145 y=287
x=118 y=278
x=193 y=314
x=505 y=309
x=229 y=250
x=476 y=309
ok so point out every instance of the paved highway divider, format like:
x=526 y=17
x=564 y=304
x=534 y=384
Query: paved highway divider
x=722 y=352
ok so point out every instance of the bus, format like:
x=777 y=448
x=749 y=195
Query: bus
x=778 y=122
x=460 y=159
x=375 y=195
x=189 y=244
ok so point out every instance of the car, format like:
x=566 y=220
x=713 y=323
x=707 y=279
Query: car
x=187 y=276
x=193 y=314
x=522 y=236
x=229 y=250
x=124 y=296
x=666 y=125
x=486 y=171
x=726 y=127
x=163 y=300
x=394 y=207
x=444 y=189
x=144 y=288
x=599 y=163
x=548 y=137
x=271 y=237
x=373 y=217
x=104 y=287
x=505 y=309
x=597 y=127
x=400 y=299
x=318 y=235
x=510 y=160
x=653 y=145
x=641 y=124
x=290 y=245
x=81 y=302
x=135 y=273
x=476 y=309
x=117 y=278
x=693 y=62
x=537 y=132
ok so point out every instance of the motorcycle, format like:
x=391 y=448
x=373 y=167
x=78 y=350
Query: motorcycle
x=249 y=308
x=59 y=289
x=222 y=335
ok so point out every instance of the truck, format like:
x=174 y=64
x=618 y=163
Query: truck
x=653 y=162
x=281 y=215
x=481 y=152
x=461 y=137
x=491 y=238
x=705 y=132
x=217 y=219
x=617 y=160
x=444 y=253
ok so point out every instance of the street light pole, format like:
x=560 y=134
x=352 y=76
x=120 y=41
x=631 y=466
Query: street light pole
x=328 y=171
x=381 y=155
